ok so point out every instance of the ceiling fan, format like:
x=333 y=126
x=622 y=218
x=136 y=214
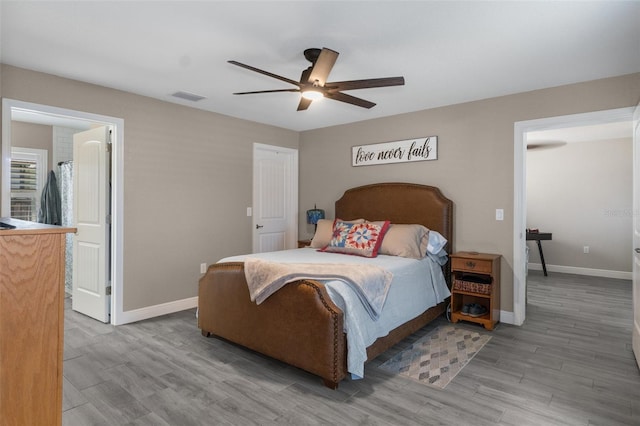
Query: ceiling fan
x=313 y=82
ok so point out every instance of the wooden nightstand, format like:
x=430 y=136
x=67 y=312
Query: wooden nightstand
x=475 y=278
x=304 y=243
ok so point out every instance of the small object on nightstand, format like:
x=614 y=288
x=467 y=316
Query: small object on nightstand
x=475 y=292
x=314 y=215
x=304 y=243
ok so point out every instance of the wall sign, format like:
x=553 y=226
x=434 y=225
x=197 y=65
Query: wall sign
x=421 y=149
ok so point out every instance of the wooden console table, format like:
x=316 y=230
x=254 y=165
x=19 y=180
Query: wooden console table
x=537 y=237
x=31 y=322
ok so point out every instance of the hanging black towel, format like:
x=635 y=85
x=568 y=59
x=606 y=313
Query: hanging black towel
x=50 y=210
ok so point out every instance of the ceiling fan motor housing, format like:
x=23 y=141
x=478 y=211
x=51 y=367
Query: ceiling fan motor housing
x=312 y=54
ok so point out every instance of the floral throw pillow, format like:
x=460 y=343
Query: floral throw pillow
x=324 y=231
x=360 y=239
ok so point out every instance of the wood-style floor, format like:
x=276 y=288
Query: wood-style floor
x=570 y=363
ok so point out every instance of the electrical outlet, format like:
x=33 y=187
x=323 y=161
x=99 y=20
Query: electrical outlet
x=585 y=249
x=203 y=268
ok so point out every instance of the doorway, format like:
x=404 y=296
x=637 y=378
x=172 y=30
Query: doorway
x=579 y=196
x=520 y=197
x=48 y=114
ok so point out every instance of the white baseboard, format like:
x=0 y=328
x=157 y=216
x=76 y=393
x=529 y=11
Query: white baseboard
x=157 y=310
x=507 y=317
x=605 y=273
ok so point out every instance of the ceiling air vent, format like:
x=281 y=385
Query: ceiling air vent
x=188 y=96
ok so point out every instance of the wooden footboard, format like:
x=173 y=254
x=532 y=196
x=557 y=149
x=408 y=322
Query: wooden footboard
x=299 y=324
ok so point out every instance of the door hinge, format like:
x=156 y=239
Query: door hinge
x=107 y=290
x=109 y=147
x=108 y=219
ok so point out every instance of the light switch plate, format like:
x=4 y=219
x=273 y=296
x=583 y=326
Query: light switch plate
x=499 y=214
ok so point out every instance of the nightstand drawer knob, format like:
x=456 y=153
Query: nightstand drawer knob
x=470 y=264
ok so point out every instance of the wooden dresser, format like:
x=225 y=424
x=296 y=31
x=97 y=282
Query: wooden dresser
x=31 y=323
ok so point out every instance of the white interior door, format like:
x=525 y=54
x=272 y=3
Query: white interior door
x=90 y=210
x=275 y=200
x=636 y=235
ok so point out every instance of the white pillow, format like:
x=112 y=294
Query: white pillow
x=436 y=242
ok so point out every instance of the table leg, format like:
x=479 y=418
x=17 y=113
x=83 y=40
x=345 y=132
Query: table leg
x=544 y=266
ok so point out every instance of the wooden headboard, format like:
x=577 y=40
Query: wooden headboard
x=400 y=203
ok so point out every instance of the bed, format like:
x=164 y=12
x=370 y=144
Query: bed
x=300 y=324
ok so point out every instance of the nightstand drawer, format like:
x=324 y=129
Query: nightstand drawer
x=475 y=265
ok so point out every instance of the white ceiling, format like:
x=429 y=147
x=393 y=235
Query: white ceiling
x=449 y=52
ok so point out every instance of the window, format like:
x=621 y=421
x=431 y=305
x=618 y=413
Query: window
x=28 y=175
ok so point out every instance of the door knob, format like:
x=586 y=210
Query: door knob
x=637 y=250
x=259 y=226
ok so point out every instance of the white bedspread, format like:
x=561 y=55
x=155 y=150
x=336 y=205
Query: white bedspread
x=417 y=285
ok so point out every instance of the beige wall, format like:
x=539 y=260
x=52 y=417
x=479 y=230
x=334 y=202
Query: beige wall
x=187 y=181
x=187 y=173
x=582 y=193
x=35 y=136
x=475 y=164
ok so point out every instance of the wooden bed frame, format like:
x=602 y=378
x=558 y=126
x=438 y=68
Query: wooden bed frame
x=299 y=324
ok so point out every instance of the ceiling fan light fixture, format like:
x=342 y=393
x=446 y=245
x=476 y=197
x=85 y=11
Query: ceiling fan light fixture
x=312 y=95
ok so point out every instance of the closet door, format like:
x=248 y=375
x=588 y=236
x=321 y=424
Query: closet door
x=275 y=188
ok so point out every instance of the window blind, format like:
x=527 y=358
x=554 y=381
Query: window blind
x=24 y=189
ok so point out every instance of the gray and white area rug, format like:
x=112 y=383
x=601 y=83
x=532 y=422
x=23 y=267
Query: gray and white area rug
x=438 y=357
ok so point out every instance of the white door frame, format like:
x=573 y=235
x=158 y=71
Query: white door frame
x=520 y=188
x=117 y=174
x=635 y=283
x=292 y=226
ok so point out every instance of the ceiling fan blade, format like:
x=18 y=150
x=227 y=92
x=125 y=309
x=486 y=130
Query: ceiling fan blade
x=343 y=97
x=323 y=65
x=304 y=104
x=365 y=84
x=267 y=73
x=267 y=91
